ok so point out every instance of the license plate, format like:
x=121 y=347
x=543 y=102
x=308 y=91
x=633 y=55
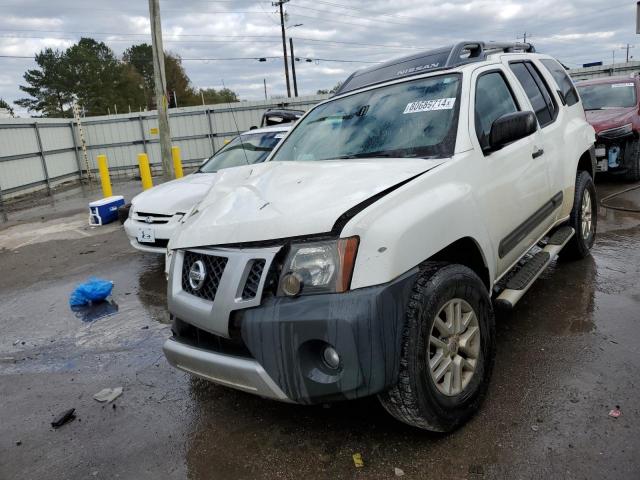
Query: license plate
x=601 y=152
x=146 y=235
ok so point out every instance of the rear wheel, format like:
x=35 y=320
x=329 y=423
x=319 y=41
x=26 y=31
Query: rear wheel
x=583 y=218
x=447 y=352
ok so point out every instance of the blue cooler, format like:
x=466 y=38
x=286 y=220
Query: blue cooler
x=105 y=211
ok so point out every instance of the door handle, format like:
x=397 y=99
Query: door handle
x=538 y=153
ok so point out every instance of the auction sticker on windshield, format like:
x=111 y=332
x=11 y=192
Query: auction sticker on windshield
x=429 y=105
x=618 y=85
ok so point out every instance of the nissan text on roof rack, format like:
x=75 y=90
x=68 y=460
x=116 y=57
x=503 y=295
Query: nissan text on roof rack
x=366 y=255
x=156 y=213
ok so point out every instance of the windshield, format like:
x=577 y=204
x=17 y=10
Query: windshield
x=245 y=149
x=411 y=119
x=608 y=95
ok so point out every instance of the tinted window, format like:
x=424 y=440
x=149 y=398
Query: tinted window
x=493 y=99
x=563 y=80
x=410 y=119
x=536 y=90
x=608 y=95
x=245 y=149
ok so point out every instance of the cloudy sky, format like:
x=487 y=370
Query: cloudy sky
x=335 y=34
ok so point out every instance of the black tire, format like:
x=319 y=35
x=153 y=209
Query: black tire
x=632 y=161
x=415 y=399
x=579 y=246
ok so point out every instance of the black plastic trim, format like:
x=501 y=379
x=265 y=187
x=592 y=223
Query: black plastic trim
x=509 y=242
x=286 y=337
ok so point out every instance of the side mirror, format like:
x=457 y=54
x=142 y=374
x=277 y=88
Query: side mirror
x=511 y=127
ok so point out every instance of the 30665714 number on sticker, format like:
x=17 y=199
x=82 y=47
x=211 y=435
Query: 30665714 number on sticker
x=429 y=105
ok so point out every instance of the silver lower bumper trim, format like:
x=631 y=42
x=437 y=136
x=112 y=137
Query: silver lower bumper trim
x=235 y=372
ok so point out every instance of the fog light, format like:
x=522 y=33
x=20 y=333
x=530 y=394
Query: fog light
x=331 y=357
x=291 y=284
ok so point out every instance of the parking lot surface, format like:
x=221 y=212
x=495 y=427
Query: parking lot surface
x=567 y=355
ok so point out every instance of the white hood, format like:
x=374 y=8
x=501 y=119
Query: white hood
x=286 y=199
x=175 y=196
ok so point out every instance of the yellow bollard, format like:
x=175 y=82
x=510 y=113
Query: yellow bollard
x=145 y=171
x=177 y=162
x=105 y=179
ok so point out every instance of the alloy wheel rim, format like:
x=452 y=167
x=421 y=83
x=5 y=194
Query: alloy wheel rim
x=454 y=347
x=586 y=215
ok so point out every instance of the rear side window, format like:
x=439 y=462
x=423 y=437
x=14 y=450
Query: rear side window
x=493 y=99
x=536 y=90
x=559 y=74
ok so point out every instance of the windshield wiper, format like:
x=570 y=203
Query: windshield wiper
x=364 y=155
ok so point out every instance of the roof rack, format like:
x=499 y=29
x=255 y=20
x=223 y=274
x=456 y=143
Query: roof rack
x=433 y=60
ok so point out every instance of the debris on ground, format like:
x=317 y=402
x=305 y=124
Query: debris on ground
x=615 y=413
x=19 y=442
x=94 y=290
x=357 y=460
x=535 y=428
x=108 y=394
x=398 y=472
x=16 y=342
x=65 y=417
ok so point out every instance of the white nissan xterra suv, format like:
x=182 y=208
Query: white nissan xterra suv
x=366 y=255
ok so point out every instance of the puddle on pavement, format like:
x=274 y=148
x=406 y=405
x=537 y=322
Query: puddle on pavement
x=95 y=311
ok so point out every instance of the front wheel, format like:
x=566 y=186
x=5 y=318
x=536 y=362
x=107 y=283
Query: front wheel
x=447 y=352
x=583 y=218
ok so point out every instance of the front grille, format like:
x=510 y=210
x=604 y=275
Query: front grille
x=196 y=337
x=250 y=289
x=214 y=268
x=152 y=218
x=161 y=243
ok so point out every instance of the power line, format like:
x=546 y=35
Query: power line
x=223 y=59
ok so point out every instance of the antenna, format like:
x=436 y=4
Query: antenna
x=233 y=115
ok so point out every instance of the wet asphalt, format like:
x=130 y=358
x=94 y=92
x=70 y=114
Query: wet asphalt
x=567 y=355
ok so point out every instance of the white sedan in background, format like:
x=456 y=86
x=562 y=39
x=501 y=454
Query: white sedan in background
x=155 y=213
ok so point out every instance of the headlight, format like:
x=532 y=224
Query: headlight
x=131 y=211
x=319 y=267
x=617 y=132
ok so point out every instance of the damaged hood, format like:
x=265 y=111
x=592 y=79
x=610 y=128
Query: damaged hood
x=175 y=196
x=610 y=118
x=276 y=200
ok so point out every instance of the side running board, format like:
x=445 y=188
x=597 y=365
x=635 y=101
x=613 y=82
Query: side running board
x=518 y=285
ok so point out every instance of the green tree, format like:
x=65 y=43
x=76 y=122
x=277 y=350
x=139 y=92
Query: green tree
x=5 y=105
x=99 y=80
x=141 y=58
x=87 y=72
x=224 y=95
x=47 y=86
x=333 y=90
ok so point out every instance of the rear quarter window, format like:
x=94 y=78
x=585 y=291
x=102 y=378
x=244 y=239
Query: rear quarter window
x=559 y=74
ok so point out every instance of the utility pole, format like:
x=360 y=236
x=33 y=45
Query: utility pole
x=524 y=37
x=627 y=49
x=264 y=80
x=160 y=81
x=280 y=3
x=293 y=68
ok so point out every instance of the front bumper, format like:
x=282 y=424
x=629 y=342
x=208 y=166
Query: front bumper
x=235 y=372
x=284 y=339
x=162 y=234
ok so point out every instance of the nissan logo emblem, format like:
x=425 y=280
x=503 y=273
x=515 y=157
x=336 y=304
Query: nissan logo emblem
x=197 y=275
x=148 y=220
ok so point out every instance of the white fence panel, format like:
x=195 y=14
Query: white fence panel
x=198 y=131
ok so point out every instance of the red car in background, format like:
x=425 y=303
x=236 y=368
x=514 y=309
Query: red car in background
x=611 y=106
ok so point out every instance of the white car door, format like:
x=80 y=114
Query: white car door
x=513 y=195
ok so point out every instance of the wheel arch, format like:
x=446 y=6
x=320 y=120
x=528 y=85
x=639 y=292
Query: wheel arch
x=587 y=162
x=466 y=251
